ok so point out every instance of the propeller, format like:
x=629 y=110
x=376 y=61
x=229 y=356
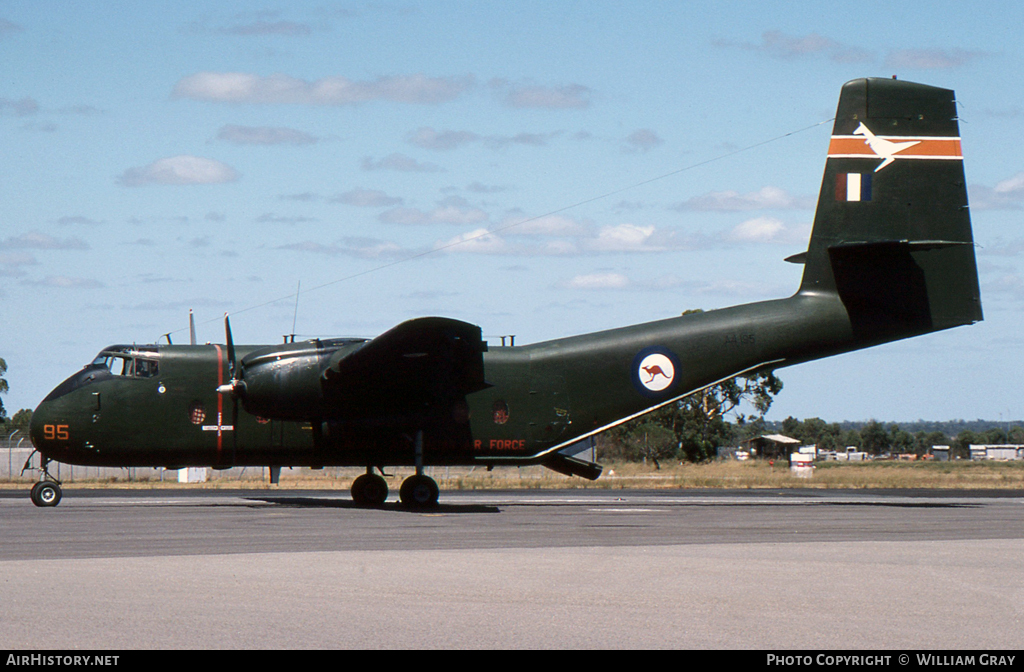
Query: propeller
x=235 y=386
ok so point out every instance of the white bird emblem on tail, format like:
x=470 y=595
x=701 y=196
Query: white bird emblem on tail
x=886 y=149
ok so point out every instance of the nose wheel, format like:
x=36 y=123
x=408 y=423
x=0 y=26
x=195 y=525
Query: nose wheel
x=46 y=493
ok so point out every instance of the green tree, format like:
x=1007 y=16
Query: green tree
x=874 y=438
x=961 y=446
x=698 y=422
x=20 y=421
x=646 y=439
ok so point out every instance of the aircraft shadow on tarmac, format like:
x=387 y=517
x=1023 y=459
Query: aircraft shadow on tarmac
x=345 y=503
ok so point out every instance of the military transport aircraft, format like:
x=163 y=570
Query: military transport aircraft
x=891 y=255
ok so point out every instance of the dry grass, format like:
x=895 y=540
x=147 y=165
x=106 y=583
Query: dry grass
x=728 y=474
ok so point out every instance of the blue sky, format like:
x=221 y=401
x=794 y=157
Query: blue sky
x=159 y=157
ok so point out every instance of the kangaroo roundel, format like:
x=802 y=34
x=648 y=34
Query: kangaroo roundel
x=655 y=371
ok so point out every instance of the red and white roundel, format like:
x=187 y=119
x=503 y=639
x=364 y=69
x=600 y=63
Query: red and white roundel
x=656 y=372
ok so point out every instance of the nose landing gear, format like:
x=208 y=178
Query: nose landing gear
x=47 y=492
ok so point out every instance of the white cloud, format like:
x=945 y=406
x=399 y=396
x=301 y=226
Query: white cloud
x=642 y=140
x=21 y=107
x=445 y=214
x=11 y=263
x=428 y=138
x=777 y=44
x=931 y=59
x=622 y=238
x=549 y=225
x=9 y=28
x=366 y=198
x=76 y=219
x=480 y=241
x=363 y=248
x=1008 y=194
x=286 y=28
x=41 y=241
x=597 y=281
x=447 y=140
x=65 y=282
x=264 y=135
x=401 y=163
x=766 y=198
x=1013 y=186
x=183 y=169
x=767 y=230
x=274 y=218
x=572 y=96
x=243 y=87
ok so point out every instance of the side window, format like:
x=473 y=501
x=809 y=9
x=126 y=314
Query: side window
x=146 y=368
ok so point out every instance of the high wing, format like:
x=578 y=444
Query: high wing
x=420 y=366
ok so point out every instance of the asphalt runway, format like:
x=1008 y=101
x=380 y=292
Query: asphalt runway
x=778 y=569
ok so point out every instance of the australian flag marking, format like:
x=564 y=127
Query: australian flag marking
x=853 y=187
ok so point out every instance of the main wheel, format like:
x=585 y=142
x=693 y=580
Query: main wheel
x=419 y=492
x=369 y=490
x=46 y=493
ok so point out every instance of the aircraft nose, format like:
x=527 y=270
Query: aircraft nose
x=50 y=432
x=41 y=417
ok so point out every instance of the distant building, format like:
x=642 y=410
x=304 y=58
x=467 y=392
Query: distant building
x=770 y=446
x=1004 y=451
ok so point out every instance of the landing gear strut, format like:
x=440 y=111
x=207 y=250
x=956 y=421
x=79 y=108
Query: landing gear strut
x=47 y=492
x=419 y=491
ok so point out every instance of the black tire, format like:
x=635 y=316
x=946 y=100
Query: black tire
x=369 y=490
x=419 y=492
x=46 y=493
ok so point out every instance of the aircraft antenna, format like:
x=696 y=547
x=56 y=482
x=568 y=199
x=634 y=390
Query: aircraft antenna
x=295 y=316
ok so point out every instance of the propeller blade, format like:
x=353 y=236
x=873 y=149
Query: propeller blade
x=231 y=347
x=191 y=327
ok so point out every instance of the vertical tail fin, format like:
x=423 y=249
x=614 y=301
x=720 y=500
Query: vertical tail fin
x=892 y=232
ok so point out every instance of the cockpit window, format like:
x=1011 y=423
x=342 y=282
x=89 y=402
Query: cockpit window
x=118 y=366
x=121 y=365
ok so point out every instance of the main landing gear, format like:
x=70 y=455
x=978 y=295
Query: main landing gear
x=369 y=489
x=418 y=491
